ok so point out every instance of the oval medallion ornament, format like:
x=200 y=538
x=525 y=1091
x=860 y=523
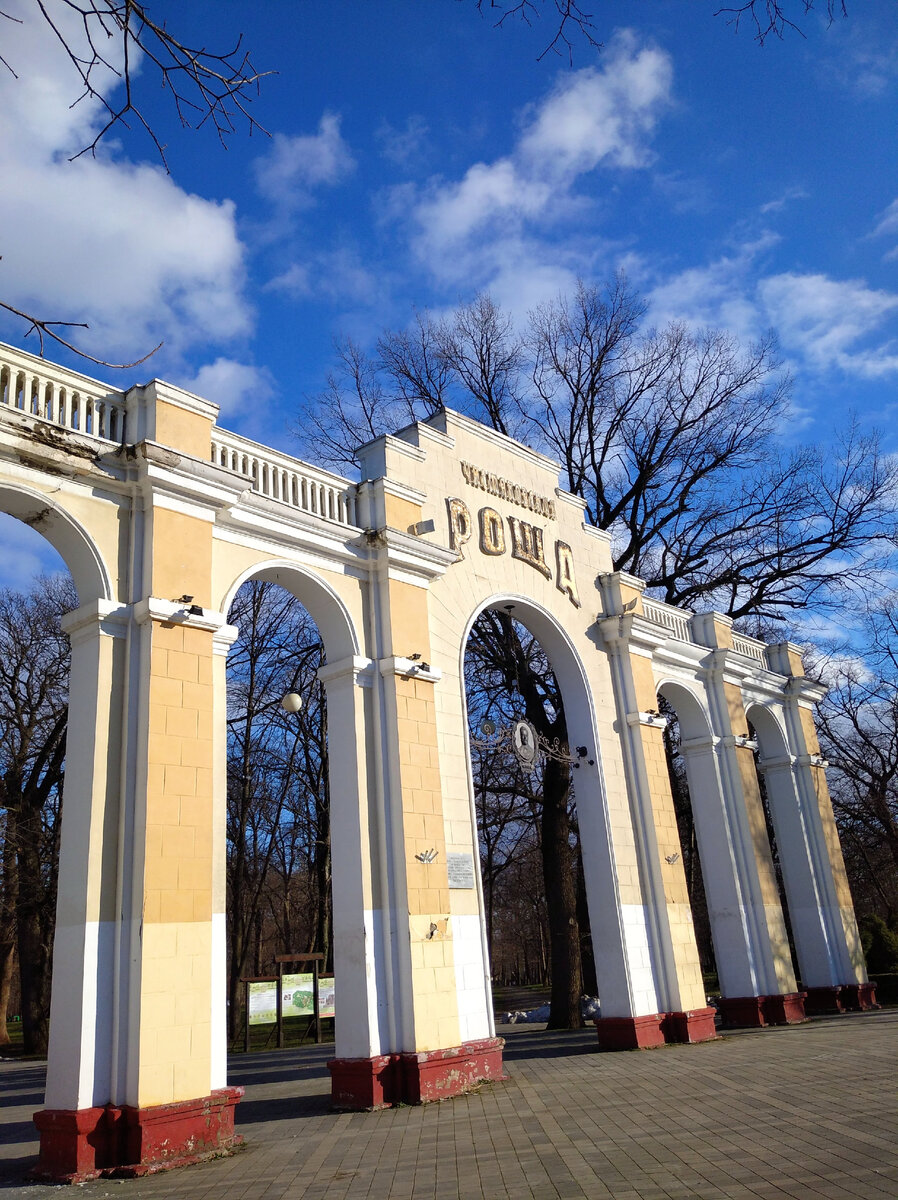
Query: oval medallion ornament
x=525 y=744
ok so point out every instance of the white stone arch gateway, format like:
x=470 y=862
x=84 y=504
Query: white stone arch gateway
x=172 y=513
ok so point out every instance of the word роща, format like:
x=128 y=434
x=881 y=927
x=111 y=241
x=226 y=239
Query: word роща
x=526 y=542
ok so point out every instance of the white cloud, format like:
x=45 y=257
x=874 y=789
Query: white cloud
x=104 y=240
x=338 y=274
x=717 y=295
x=777 y=205
x=828 y=321
x=405 y=144
x=599 y=116
x=887 y=226
x=822 y=323
x=239 y=389
x=592 y=117
x=295 y=166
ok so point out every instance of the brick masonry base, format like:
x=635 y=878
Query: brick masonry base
x=415 y=1077
x=656 y=1029
x=124 y=1141
x=757 y=1011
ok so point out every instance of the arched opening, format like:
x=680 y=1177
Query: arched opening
x=695 y=789
x=279 y=774
x=777 y=789
x=537 y=806
x=35 y=672
x=278 y=796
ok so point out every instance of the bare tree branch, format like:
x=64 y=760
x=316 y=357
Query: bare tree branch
x=771 y=17
x=206 y=87
x=44 y=329
x=571 y=21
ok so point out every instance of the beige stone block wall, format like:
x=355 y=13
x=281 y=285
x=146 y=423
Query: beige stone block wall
x=175 y=1028
x=430 y=932
x=182 y=561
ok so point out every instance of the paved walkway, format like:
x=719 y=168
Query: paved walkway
x=805 y=1112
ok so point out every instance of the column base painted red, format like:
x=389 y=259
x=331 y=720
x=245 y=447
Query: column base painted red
x=690 y=1027
x=742 y=1012
x=656 y=1029
x=823 y=1000
x=859 y=996
x=754 y=1012
x=413 y=1077
x=630 y=1033
x=124 y=1141
x=786 y=1009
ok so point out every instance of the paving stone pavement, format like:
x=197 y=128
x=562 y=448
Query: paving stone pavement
x=806 y=1112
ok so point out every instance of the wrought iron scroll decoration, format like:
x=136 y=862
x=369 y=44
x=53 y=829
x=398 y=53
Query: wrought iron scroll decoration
x=528 y=745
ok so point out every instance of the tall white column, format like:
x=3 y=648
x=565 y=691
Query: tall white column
x=86 y=970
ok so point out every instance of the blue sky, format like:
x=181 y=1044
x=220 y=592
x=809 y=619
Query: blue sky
x=419 y=155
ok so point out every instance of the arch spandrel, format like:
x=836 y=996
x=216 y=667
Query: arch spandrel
x=333 y=602
x=85 y=531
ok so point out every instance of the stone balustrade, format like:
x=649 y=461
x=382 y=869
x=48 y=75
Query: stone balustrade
x=289 y=480
x=674 y=620
x=61 y=397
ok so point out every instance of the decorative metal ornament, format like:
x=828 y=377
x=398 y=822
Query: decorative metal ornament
x=525 y=743
x=528 y=746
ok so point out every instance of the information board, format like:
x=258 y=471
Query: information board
x=263 y=1003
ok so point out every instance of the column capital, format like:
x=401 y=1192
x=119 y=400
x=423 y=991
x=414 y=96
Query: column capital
x=799 y=687
x=738 y=741
x=410 y=668
x=179 y=612
x=652 y=719
x=811 y=760
x=356 y=668
x=223 y=638
x=701 y=744
x=778 y=762
x=107 y=617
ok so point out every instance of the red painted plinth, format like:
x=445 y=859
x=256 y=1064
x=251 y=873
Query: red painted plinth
x=743 y=1011
x=414 y=1077
x=787 y=1009
x=436 y=1074
x=81 y=1144
x=631 y=1033
x=859 y=995
x=820 y=1000
x=694 y=1026
x=364 y=1083
x=76 y=1144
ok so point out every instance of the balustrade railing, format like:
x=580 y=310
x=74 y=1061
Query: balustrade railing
x=674 y=620
x=63 y=398
x=749 y=646
x=286 y=479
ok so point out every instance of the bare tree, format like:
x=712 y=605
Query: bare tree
x=278 y=804
x=859 y=736
x=104 y=40
x=34 y=667
x=775 y=18
x=568 y=22
x=670 y=436
x=504 y=661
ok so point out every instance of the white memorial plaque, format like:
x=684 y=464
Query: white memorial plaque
x=461 y=870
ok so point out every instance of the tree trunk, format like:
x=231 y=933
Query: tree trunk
x=7 y=966
x=33 y=946
x=561 y=900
